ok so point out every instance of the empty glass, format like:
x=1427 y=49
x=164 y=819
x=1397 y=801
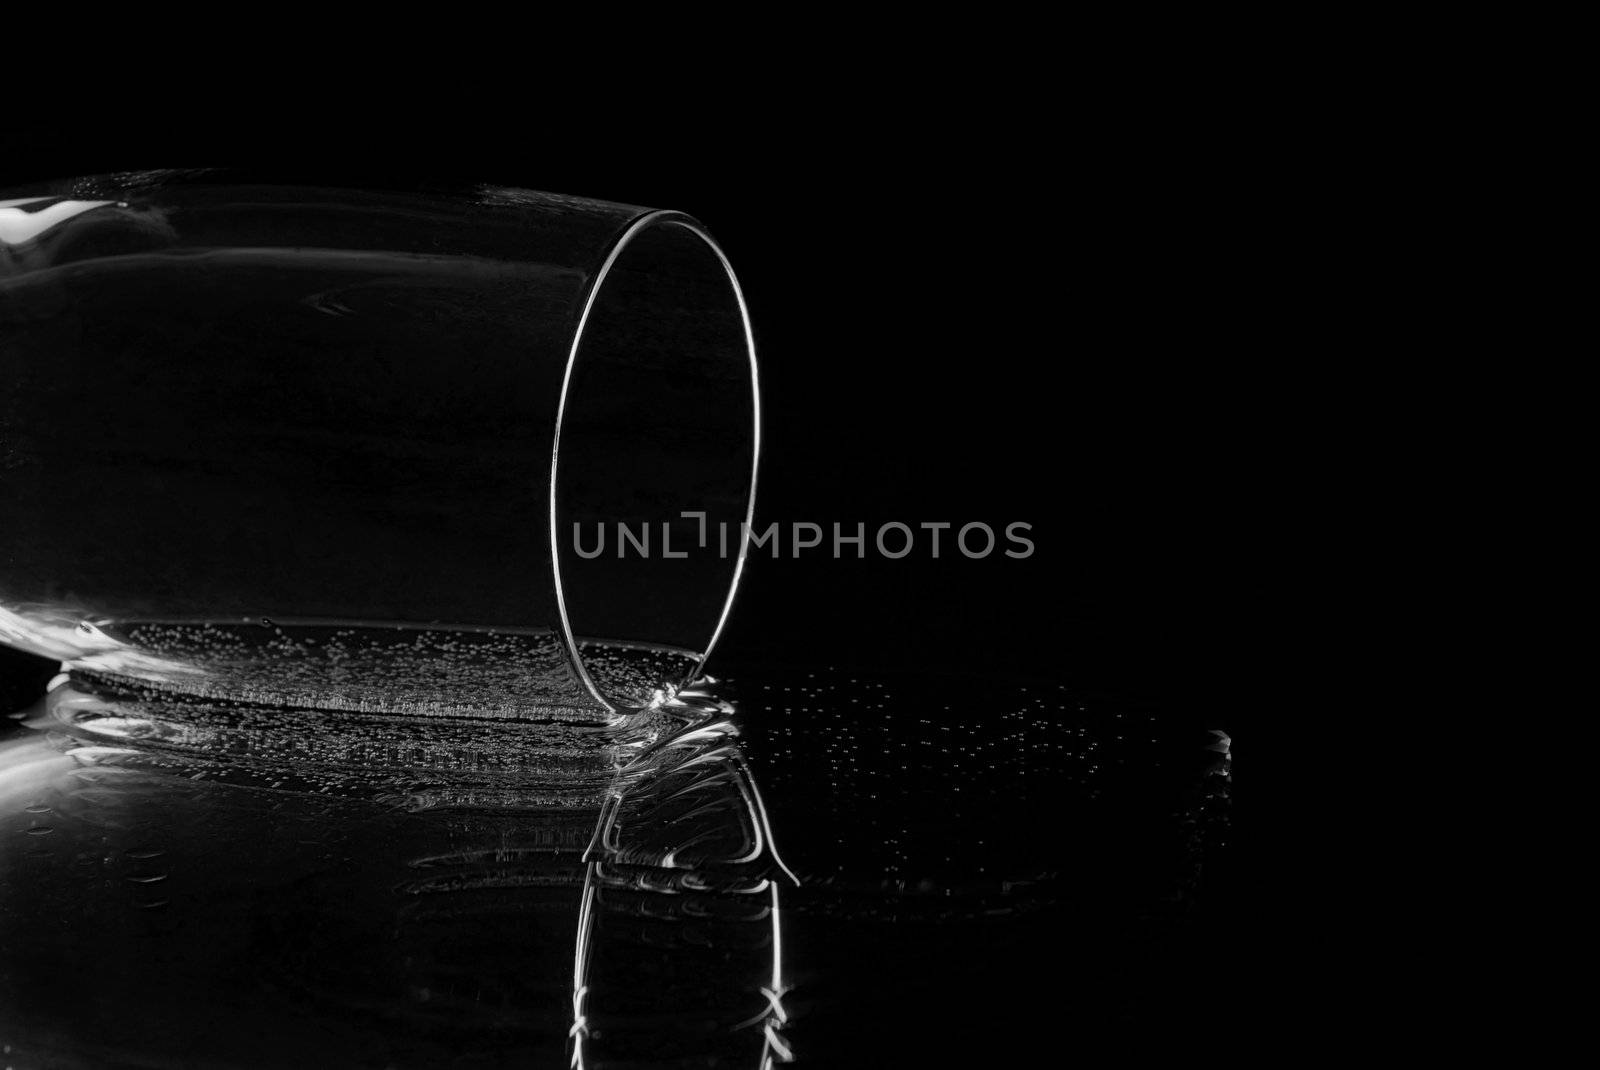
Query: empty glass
x=340 y=449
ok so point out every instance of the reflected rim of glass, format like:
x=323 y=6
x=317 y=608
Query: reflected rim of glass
x=637 y=227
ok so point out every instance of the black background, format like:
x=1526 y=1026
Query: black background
x=1070 y=318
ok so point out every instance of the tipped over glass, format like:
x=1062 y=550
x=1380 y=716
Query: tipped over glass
x=344 y=449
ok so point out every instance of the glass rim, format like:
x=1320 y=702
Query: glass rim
x=596 y=283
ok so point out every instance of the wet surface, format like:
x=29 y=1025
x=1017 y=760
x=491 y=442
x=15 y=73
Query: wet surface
x=839 y=868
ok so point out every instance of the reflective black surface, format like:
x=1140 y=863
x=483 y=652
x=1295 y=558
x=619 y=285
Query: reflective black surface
x=847 y=869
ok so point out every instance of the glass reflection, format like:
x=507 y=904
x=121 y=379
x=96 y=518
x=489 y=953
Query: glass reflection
x=187 y=877
x=680 y=940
